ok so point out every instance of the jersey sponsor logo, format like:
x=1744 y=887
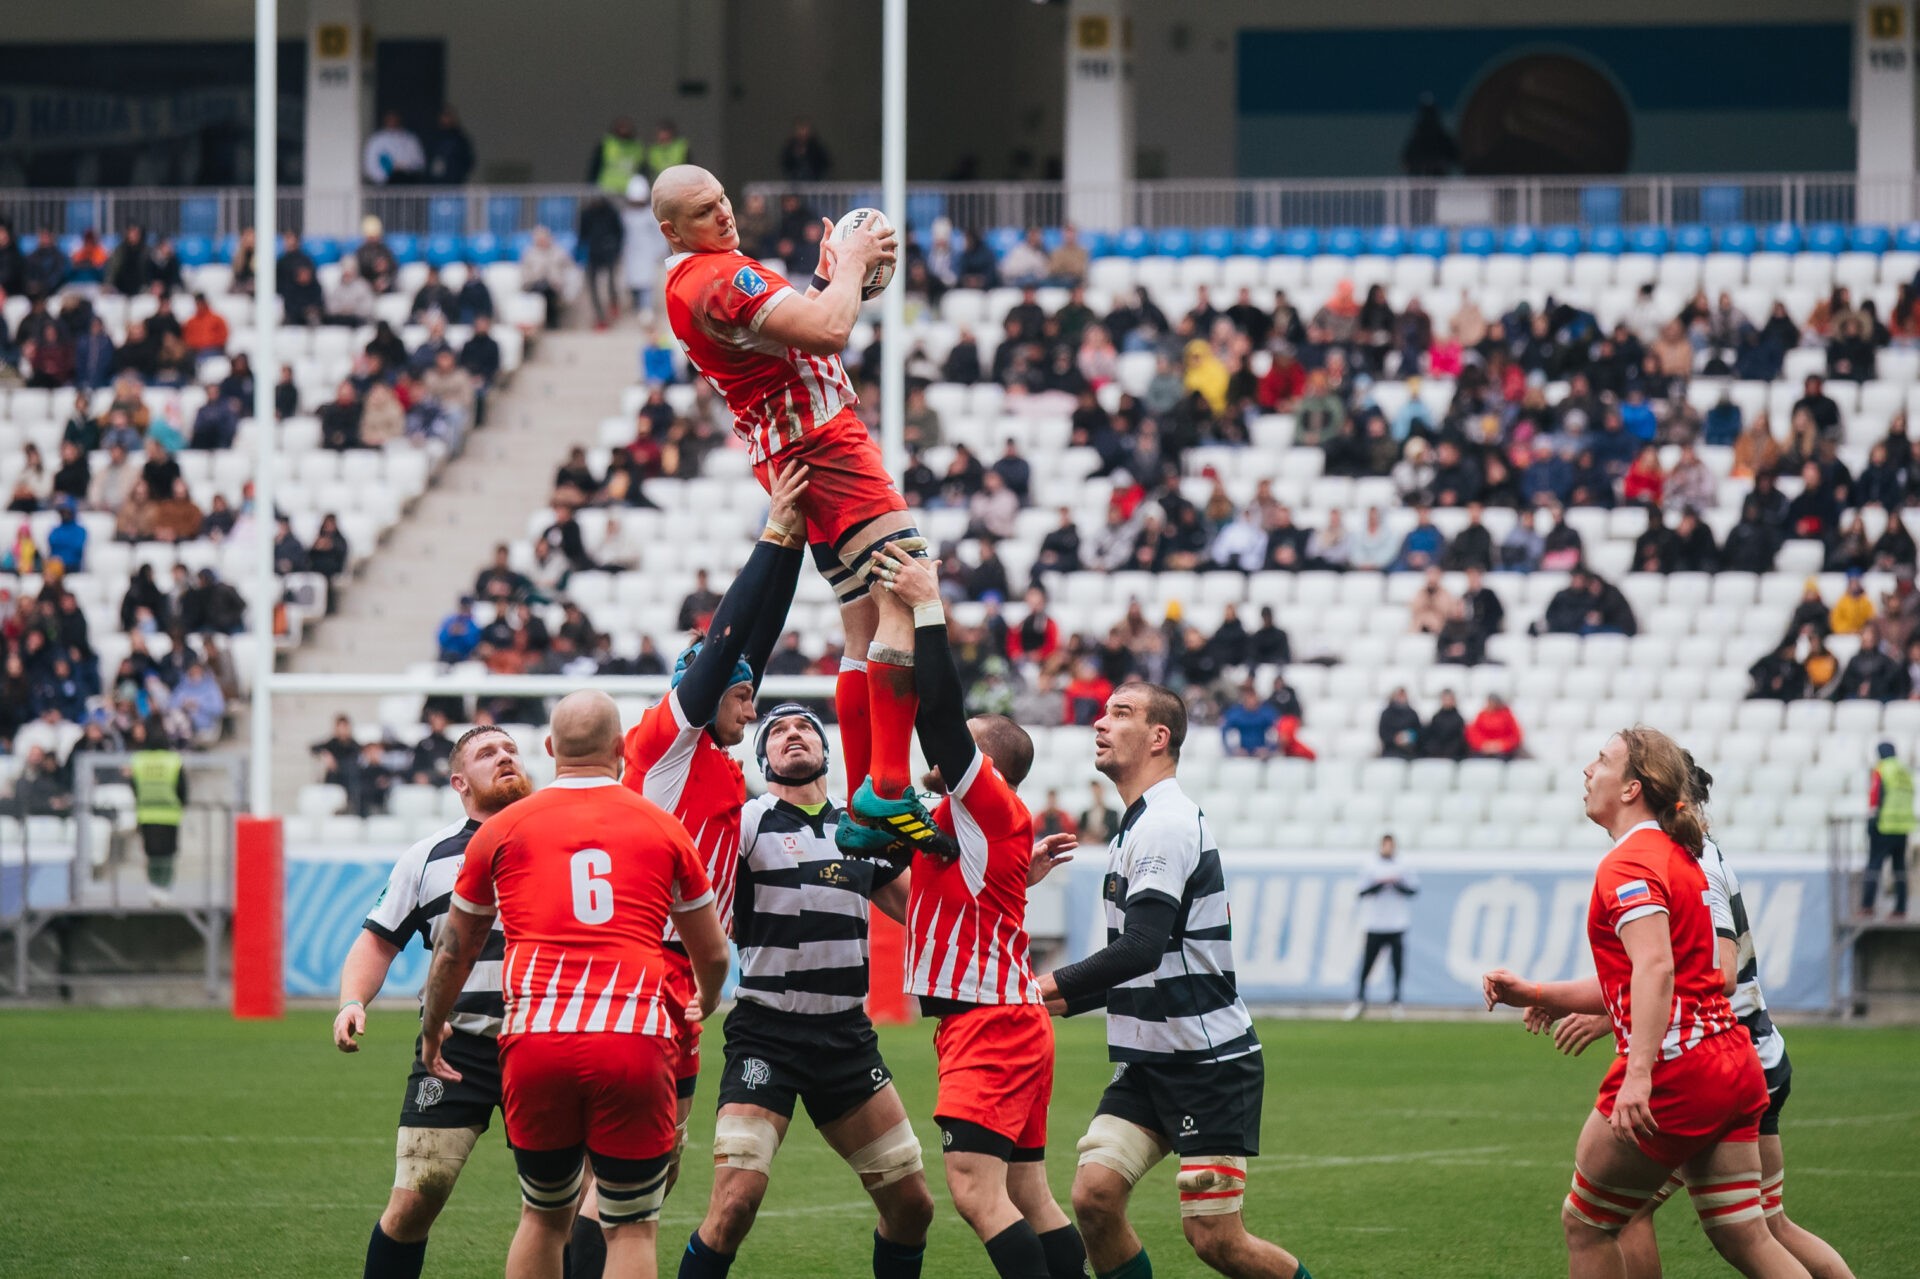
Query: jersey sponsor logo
x=748 y=281
x=431 y=1091
x=835 y=874
x=1634 y=890
x=1110 y=888
x=791 y=843
x=1186 y=1125
x=754 y=1072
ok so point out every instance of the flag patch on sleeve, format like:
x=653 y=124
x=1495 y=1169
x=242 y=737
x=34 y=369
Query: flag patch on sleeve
x=1634 y=890
x=748 y=281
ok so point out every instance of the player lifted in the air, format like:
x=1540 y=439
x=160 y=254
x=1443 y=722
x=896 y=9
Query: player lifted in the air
x=797 y=1032
x=773 y=351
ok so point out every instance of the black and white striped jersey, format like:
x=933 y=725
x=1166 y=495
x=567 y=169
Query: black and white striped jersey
x=1749 y=1003
x=415 y=902
x=1188 y=1010
x=800 y=911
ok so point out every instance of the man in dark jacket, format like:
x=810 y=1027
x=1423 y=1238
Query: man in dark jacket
x=1399 y=728
x=602 y=235
x=1445 y=736
x=1566 y=611
x=1870 y=674
x=1269 y=646
x=1060 y=549
x=1777 y=677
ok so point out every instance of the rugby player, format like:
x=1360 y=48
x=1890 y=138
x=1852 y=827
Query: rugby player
x=582 y=878
x=967 y=954
x=1686 y=1092
x=798 y=1031
x=1740 y=973
x=773 y=352
x=1189 y=1074
x=439 y=1122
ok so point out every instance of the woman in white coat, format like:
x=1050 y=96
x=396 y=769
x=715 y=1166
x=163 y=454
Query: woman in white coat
x=645 y=250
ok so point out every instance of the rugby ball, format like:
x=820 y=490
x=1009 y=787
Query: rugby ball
x=876 y=283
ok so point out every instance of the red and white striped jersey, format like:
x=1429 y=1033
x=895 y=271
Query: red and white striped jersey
x=583 y=876
x=966 y=918
x=1646 y=874
x=716 y=304
x=678 y=766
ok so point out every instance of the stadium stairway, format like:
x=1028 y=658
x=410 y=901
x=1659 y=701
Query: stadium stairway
x=388 y=620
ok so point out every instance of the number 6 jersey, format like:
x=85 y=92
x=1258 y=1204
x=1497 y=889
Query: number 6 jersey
x=583 y=875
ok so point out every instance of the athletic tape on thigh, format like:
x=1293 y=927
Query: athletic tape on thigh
x=892 y=1156
x=428 y=1161
x=1674 y=1185
x=1722 y=1203
x=745 y=1141
x=624 y=1202
x=552 y=1196
x=1126 y=1148
x=1211 y=1185
x=1773 y=1193
x=1602 y=1206
x=860 y=562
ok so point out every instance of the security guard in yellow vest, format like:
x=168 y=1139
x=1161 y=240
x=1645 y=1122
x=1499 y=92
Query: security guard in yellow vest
x=1891 y=820
x=620 y=156
x=159 y=798
x=667 y=149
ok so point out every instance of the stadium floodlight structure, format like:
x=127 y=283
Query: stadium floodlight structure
x=267 y=680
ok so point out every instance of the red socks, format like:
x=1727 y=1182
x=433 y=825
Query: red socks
x=850 y=706
x=894 y=705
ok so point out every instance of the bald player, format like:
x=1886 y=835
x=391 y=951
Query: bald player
x=583 y=877
x=774 y=353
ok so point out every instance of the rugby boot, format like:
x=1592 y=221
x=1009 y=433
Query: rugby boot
x=875 y=823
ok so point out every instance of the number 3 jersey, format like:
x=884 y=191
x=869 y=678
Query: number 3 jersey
x=583 y=876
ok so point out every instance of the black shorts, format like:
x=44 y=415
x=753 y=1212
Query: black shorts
x=830 y=1064
x=433 y=1102
x=160 y=841
x=1209 y=1108
x=1776 y=1101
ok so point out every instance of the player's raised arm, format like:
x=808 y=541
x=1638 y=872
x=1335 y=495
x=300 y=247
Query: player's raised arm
x=820 y=323
x=941 y=722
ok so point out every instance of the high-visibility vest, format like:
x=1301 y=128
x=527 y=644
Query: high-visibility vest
x=620 y=159
x=664 y=155
x=156 y=787
x=1896 y=798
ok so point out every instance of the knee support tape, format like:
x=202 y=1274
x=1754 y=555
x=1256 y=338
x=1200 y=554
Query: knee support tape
x=428 y=1161
x=1211 y=1185
x=1722 y=1203
x=745 y=1141
x=623 y=1202
x=1601 y=1206
x=1125 y=1148
x=892 y=1156
x=908 y=539
x=1773 y=1192
x=557 y=1195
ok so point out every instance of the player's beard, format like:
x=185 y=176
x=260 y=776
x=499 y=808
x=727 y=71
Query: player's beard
x=496 y=795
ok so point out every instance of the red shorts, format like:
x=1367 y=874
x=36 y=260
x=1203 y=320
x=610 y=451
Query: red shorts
x=847 y=482
x=1713 y=1092
x=611 y=1093
x=678 y=983
x=996 y=1070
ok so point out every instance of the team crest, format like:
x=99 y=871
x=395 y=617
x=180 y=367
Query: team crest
x=792 y=844
x=748 y=281
x=431 y=1091
x=754 y=1072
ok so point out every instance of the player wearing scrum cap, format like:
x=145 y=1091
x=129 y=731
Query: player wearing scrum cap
x=798 y=1031
x=439 y=1121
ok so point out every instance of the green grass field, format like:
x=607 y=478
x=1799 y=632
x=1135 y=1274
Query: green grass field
x=181 y=1143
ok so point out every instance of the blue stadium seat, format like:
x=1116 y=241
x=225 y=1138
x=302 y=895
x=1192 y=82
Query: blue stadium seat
x=483 y=248
x=1477 y=241
x=322 y=249
x=1429 y=241
x=70 y=244
x=194 y=250
x=1134 y=242
x=1721 y=204
x=924 y=207
x=1869 y=239
x=406 y=248
x=1217 y=241
x=1906 y=237
x=1738 y=238
x=1001 y=239
x=1784 y=237
x=1692 y=238
x=82 y=213
x=557 y=213
x=447 y=215
x=1521 y=239
x=200 y=215
x=442 y=249
x=1599 y=204
x=1386 y=241
x=1823 y=237
x=1052 y=238
x=1257 y=241
x=1606 y=239
x=1564 y=240
x=1300 y=242
x=226 y=247
x=1345 y=241
x=1098 y=244
x=1648 y=239
x=503 y=215
x=1173 y=242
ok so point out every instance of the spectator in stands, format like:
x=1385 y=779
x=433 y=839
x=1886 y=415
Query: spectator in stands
x=1086 y=694
x=329 y=553
x=696 y=610
x=1247 y=728
x=74 y=476
x=433 y=753
x=989 y=576
x=336 y=752
x=289 y=554
x=67 y=540
x=1422 y=547
x=1269 y=645
x=1431 y=605
x=1850 y=355
x=1494 y=733
x=1015 y=470
x=1067 y=264
x=1053 y=819
x=1399 y=728
x=205 y=331
x=1100 y=820
x=393 y=154
x=340 y=420
x=212 y=607
x=1778 y=676
x=788 y=658
x=199 y=698
x=498 y=583
x=459 y=633
x=993 y=511
x=564 y=541
x=1853 y=610
x=433 y=300
x=602 y=235
x=286 y=395
x=1025 y=264
x=1521 y=549
x=802 y=157
x=1037 y=638
x=978 y=268
x=1374 y=547
x=1874 y=673
x=448 y=150
x=41 y=789
x=546 y=269
x=12 y=263
x=1852 y=550
x=45 y=270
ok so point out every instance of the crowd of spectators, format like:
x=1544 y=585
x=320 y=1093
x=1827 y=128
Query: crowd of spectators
x=1884 y=664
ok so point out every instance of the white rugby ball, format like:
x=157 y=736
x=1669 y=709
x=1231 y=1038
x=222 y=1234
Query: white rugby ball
x=876 y=282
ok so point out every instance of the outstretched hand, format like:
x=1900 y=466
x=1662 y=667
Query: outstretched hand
x=829 y=255
x=784 y=498
x=913 y=581
x=1054 y=850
